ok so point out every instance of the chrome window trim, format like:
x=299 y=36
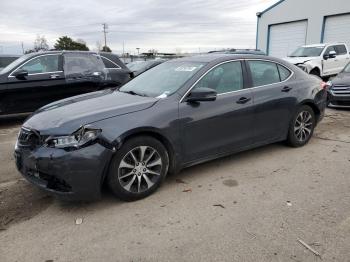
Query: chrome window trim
x=249 y=88
x=58 y=54
x=54 y=72
x=118 y=67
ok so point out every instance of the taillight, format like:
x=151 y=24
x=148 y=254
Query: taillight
x=324 y=85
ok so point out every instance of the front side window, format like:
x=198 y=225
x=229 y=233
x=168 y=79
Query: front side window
x=224 y=78
x=263 y=73
x=42 y=64
x=330 y=49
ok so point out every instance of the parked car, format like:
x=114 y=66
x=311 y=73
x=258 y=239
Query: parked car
x=38 y=79
x=181 y=113
x=239 y=51
x=339 y=89
x=322 y=60
x=5 y=60
x=139 y=67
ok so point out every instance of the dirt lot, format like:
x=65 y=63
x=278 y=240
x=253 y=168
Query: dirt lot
x=252 y=206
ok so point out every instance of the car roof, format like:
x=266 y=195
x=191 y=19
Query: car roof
x=214 y=57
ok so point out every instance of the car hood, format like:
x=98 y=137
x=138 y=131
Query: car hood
x=65 y=116
x=298 y=60
x=342 y=79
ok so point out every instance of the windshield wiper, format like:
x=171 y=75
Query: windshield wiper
x=130 y=92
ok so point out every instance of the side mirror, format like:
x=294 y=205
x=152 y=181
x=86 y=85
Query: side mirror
x=20 y=74
x=331 y=54
x=202 y=94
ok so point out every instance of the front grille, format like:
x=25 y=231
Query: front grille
x=28 y=138
x=341 y=90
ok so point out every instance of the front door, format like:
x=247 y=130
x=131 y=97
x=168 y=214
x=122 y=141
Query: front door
x=330 y=65
x=42 y=85
x=224 y=125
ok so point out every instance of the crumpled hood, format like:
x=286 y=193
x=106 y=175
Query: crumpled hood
x=298 y=60
x=65 y=116
x=342 y=79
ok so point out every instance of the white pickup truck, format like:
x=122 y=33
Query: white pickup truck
x=322 y=60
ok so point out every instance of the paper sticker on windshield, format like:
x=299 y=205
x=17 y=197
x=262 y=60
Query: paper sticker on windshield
x=186 y=68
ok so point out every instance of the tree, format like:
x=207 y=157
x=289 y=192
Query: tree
x=67 y=43
x=106 y=49
x=40 y=43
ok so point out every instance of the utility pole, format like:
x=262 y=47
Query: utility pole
x=22 y=47
x=138 y=50
x=105 y=27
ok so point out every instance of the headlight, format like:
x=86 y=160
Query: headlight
x=78 y=139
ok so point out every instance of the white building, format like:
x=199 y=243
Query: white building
x=288 y=24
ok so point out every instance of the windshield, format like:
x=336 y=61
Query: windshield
x=347 y=68
x=162 y=80
x=307 y=51
x=14 y=64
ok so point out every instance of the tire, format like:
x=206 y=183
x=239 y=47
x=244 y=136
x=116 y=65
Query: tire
x=138 y=168
x=315 y=72
x=301 y=127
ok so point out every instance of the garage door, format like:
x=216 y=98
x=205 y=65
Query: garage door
x=337 y=29
x=285 y=38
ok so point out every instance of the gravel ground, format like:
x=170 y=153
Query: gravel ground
x=252 y=206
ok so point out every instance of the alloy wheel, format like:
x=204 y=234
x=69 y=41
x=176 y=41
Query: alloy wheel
x=303 y=126
x=140 y=169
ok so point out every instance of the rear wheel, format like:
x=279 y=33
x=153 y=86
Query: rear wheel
x=301 y=127
x=138 y=168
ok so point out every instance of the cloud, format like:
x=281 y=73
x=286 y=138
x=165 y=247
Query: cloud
x=160 y=24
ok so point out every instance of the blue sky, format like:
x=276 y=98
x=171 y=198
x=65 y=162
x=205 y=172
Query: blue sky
x=168 y=26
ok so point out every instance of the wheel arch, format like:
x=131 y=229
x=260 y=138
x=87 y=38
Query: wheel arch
x=156 y=134
x=313 y=106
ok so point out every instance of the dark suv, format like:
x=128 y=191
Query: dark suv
x=38 y=79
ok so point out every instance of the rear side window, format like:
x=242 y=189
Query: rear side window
x=224 y=78
x=340 y=49
x=76 y=64
x=284 y=72
x=41 y=64
x=109 y=64
x=263 y=73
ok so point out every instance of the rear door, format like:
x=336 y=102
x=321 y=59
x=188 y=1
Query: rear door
x=84 y=73
x=273 y=99
x=224 y=125
x=43 y=85
x=342 y=58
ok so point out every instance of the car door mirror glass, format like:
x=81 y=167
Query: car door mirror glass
x=20 y=74
x=202 y=94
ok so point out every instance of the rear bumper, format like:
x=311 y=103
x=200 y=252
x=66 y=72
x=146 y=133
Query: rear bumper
x=74 y=175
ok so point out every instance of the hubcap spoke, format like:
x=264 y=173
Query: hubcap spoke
x=133 y=156
x=128 y=186
x=152 y=172
x=127 y=175
x=142 y=152
x=157 y=162
x=148 y=181
x=138 y=183
x=123 y=164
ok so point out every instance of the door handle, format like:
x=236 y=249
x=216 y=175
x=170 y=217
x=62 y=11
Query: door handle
x=286 y=89
x=243 y=100
x=54 y=76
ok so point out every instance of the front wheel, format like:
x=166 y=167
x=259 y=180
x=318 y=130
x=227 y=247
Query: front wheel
x=301 y=127
x=138 y=168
